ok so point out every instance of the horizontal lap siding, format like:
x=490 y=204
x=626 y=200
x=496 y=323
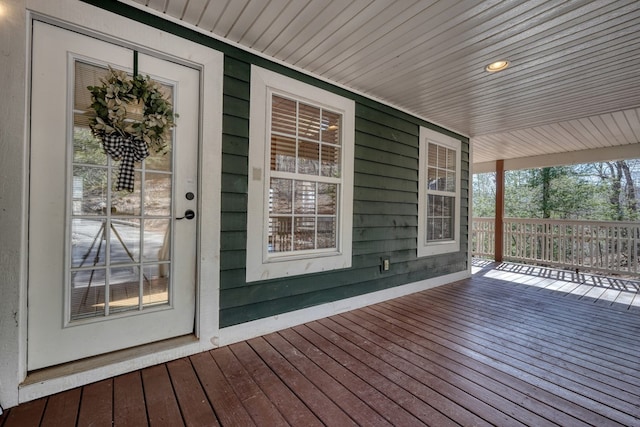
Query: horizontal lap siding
x=385 y=195
x=385 y=214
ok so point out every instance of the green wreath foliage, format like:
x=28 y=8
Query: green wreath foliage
x=119 y=92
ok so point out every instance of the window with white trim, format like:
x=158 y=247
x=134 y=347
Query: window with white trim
x=439 y=194
x=301 y=178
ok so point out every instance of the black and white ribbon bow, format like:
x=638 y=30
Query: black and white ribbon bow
x=129 y=150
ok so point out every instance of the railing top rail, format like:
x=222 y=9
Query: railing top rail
x=563 y=221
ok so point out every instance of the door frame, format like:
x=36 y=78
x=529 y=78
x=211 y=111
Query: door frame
x=118 y=30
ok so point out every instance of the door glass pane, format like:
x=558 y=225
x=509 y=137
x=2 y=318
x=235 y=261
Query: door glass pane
x=125 y=241
x=88 y=245
x=124 y=289
x=157 y=240
x=157 y=194
x=125 y=202
x=87 y=293
x=120 y=240
x=87 y=149
x=156 y=284
x=89 y=191
x=159 y=161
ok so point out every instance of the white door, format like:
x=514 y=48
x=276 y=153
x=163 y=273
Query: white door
x=108 y=269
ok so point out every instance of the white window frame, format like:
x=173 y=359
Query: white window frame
x=437 y=247
x=261 y=265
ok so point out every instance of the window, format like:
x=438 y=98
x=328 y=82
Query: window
x=301 y=178
x=439 y=194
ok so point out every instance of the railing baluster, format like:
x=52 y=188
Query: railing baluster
x=604 y=246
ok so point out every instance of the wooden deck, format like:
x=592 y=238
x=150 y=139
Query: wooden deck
x=506 y=347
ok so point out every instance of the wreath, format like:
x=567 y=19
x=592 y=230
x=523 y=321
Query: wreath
x=124 y=138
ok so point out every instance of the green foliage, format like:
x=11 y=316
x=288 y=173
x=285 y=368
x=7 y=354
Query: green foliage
x=594 y=191
x=119 y=96
x=484 y=195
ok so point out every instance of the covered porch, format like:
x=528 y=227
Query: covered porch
x=512 y=345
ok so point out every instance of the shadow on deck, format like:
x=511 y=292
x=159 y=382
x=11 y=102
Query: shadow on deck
x=615 y=292
x=512 y=345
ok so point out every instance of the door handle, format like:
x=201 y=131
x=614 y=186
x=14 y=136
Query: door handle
x=188 y=214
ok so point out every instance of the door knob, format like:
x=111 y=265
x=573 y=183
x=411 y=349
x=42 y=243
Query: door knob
x=188 y=214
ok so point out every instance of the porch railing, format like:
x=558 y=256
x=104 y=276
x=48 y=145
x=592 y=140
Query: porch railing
x=483 y=237
x=603 y=246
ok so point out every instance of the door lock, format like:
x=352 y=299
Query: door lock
x=188 y=214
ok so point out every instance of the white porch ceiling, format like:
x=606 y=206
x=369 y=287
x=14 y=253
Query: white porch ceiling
x=573 y=83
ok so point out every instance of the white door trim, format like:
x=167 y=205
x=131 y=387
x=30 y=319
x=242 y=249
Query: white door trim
x=119 y=30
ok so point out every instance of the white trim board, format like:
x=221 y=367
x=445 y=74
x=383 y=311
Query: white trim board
x=618 y=152
x=260 y=263
x=245 y=331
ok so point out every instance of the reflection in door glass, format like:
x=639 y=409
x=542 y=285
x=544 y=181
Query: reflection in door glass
x=87 y=293
x=120 y=255
x=156 y=286
x=124 y=289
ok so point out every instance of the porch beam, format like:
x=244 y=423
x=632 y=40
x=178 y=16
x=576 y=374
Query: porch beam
x=619 y=152
x=499 y=217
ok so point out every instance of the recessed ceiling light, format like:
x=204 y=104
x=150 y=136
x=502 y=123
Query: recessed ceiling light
x=497 y=66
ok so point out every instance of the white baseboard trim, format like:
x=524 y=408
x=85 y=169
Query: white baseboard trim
x=255 y=328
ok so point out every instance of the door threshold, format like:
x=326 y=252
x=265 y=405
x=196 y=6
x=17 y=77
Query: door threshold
x=115 y=357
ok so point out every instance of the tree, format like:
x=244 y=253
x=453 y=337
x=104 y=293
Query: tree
x=594 y=191
x=484 y=195
x=622 y=193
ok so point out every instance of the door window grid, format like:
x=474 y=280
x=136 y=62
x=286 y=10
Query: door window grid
x=120 y=257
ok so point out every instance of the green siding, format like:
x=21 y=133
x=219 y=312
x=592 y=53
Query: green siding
x=385 y=212
x=385 y=215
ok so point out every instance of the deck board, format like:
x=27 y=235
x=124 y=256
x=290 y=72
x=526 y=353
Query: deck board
x=293 y=410
x=129 y=408
x=511 y=346
x=382 y=404
x=228 y=407
x=96 y=404
x=194 y=406
x=62 y=409
x=161 y=402
x=260 y=408
x=321 y=405
x=26 y=415
x=375 y=377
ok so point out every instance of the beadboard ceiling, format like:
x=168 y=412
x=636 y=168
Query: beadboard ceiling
x=573 y=83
